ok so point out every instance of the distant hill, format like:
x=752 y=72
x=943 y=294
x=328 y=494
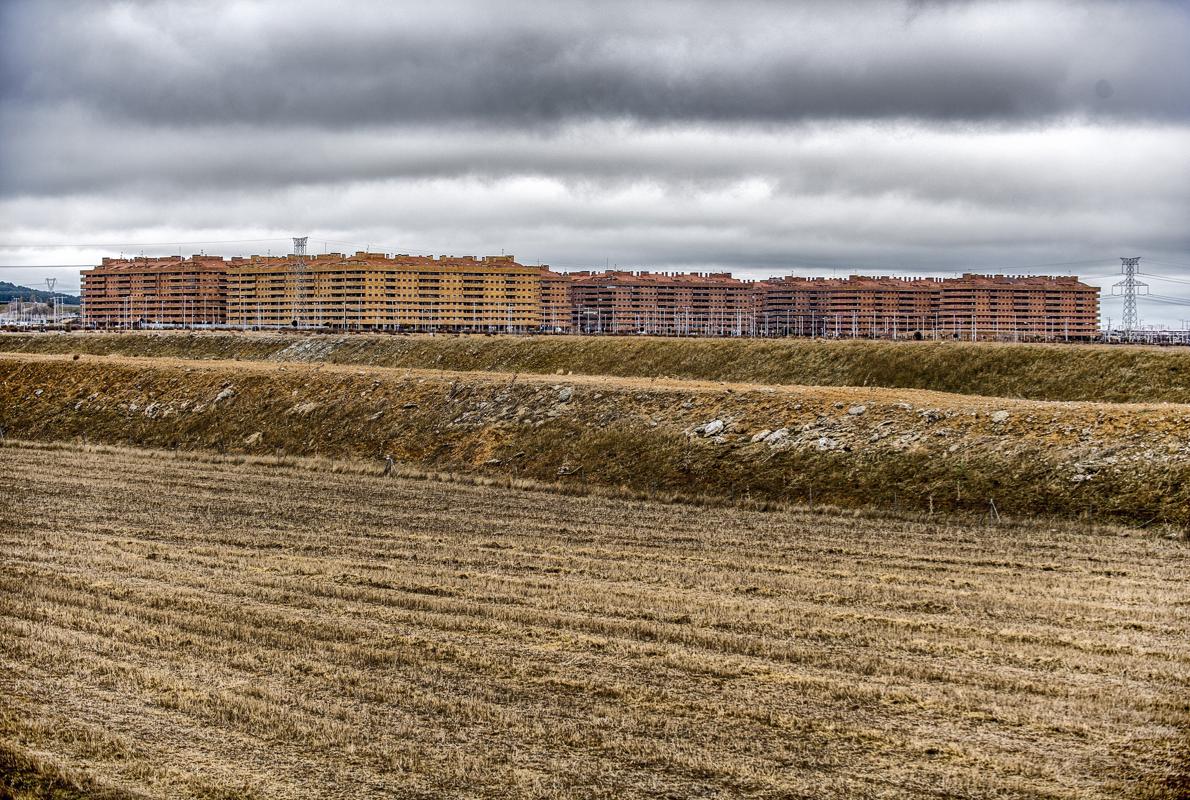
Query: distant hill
x=10 y=291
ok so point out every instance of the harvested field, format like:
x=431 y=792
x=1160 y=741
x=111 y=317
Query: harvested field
x=188 y=625
x=902 y=449
x=1034 y=371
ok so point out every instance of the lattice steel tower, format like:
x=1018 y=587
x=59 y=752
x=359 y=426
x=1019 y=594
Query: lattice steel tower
x=299 y=252
x=49 y=284
x=1129 y=289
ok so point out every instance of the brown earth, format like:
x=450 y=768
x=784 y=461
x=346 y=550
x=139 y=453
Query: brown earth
x=904 y=449
x=187 y=625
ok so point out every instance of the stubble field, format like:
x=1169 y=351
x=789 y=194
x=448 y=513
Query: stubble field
x=188 y=625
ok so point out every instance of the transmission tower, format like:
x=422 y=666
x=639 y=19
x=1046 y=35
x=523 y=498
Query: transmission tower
x=49 y=284
x=1128 y=288
x=299 y=252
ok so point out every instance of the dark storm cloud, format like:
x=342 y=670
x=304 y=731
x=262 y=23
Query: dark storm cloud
x=531 y=64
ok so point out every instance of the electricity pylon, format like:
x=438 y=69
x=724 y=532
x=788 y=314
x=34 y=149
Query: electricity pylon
x=299 y=252
x=1128 y=288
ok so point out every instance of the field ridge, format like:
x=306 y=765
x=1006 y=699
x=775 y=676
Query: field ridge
x=1030 y=371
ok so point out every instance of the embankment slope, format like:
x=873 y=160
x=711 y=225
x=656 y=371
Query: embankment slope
x=848 y=446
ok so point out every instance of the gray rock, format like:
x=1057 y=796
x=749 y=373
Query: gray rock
x=713 y=428
x=1000 y=417
x=760 y=436
x=225 y=394
x=857 y=411
x=826 y=443
x=565 y=394
x=777 y=436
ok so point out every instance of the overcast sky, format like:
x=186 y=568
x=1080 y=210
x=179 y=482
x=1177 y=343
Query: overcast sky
x=759 y=137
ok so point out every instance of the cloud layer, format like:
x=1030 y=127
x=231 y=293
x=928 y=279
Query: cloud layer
x=757 y=136
x=527 y=64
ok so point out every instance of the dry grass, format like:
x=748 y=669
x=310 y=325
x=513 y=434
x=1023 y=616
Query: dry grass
x=186 y=625
x=910 y=449
x=1041 y=372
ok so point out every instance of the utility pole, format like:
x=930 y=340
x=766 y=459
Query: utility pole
x=1128 y=288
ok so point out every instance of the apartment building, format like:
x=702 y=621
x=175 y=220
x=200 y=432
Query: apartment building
x=662 y=304
x=173 y=291
x=984 y=307
x=557 y=301
x=855 y=307
x=1018 y=308
x=373 y=291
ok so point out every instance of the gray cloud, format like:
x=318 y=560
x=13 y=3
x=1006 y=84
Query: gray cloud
x=1076 y=165
x=538 y=64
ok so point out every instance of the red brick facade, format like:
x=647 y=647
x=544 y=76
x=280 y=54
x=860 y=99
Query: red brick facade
x=172 y=291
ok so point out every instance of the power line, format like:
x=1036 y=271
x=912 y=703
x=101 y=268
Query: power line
x=388 y=248
x=1167 y=300
x=135 y=244
x=1169 y=264
x=1167 y=278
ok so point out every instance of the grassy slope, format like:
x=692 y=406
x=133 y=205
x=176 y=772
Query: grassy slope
x=910 y=450
x=1044 y=372
x=206 y=627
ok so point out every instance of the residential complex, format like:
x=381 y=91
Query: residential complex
x=375 y=291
